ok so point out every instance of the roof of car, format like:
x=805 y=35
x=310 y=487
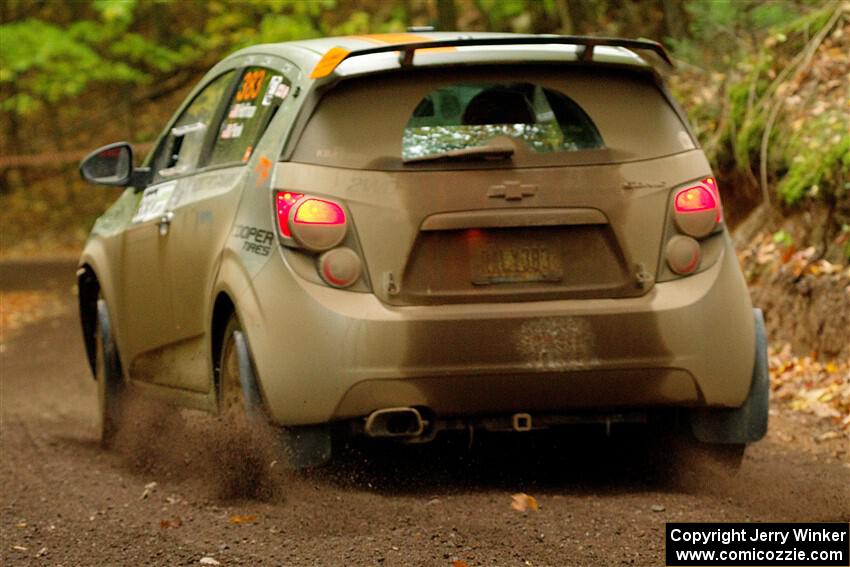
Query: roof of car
x=307 y=54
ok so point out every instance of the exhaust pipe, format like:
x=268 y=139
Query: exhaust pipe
x=395 y=422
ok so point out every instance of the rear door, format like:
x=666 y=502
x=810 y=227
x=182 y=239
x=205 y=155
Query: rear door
x=202 y=219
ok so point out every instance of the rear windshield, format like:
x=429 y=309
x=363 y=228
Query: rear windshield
x=467 y=114
x=552 y=115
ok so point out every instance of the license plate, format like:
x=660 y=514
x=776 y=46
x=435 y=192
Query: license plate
x=504 y=263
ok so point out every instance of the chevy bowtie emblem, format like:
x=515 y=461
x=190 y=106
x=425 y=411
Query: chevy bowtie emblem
x=512 y=191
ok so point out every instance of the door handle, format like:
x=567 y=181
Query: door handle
x=165 y=222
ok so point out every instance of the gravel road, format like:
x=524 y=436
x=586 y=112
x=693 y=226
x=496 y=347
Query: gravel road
x=178 y=491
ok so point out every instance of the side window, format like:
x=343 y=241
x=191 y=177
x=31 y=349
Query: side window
x=251 y=108
x=180 y=151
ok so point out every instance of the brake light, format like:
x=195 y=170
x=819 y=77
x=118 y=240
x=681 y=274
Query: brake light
x=316 y=224
x=697 y=208
x=712 y=186
x=285 y=201
x=318 y=211
x=695 y=199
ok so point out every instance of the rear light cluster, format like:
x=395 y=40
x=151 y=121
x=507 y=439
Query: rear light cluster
x=697 y=213
x=319 y=225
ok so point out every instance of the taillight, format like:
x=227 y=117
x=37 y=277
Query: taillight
x=695 y=199
x=285 y=200
x=319 y=211
x=317 y=224
x=683 y=254
x=697 y=208
x=340 y=267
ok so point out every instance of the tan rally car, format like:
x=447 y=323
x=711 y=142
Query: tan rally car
x=396 y=235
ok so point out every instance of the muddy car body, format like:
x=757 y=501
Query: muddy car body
x=401 y=234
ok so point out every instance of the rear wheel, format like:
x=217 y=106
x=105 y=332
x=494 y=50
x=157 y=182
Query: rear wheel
x=241 y=407
x=110 y=384
x=233 y=406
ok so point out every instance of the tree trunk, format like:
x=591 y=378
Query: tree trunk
x=576 y=11
x=446 y=15
x=674 y=19
x=563 y=9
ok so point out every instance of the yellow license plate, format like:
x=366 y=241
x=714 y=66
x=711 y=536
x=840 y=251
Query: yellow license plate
x=516 y=264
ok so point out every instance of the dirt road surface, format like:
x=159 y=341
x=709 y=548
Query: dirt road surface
x=178 y=492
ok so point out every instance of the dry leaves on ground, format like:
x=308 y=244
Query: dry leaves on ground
x=805 y=384
x=771 y=254
x=19 y=308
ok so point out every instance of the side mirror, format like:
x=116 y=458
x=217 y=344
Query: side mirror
x=113 y=165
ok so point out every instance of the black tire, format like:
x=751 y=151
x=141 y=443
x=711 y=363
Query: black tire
x=111 y=392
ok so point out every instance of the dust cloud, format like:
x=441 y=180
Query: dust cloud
x=232 y=461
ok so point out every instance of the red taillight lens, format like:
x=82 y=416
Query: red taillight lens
x=285 y=201
x=317 y=224
x=695 y=199
x=712 y=186
x=318 y=211
x=697 y=209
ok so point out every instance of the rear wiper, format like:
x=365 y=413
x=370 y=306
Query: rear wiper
x=489 y=152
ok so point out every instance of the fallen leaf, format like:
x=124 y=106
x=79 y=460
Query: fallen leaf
x=657 y=508
x=243 y=519
x=41 y=552
x=149 y=488
x=208 y=561
x=175 y=523
x=19 y=548
x=522 y=502
x=459 y=563
x=827 y=436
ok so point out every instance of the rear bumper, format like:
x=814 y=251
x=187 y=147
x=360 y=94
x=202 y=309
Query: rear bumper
x=323 y=354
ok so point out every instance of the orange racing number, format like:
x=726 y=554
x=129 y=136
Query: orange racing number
x=251 y=84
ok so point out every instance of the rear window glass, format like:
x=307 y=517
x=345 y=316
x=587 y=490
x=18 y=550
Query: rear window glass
x=467 y=115
x=554 y=115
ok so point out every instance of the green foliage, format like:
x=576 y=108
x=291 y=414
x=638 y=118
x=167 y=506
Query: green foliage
x=43 y=63
x=808 y=144
x=818 y=172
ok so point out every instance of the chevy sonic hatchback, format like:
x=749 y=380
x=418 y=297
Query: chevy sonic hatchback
x=397 y=235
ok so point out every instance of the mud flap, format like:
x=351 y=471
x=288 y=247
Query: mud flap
x=304 y=446
x=749 y=422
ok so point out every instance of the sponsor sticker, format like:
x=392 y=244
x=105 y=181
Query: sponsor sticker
x=242 y=110
x=231 y=130
x=154 y=202
x=274 y=83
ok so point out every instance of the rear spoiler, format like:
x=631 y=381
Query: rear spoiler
x=336 y=55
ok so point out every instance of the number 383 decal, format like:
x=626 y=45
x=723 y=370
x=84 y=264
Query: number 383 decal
x=251 y=84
